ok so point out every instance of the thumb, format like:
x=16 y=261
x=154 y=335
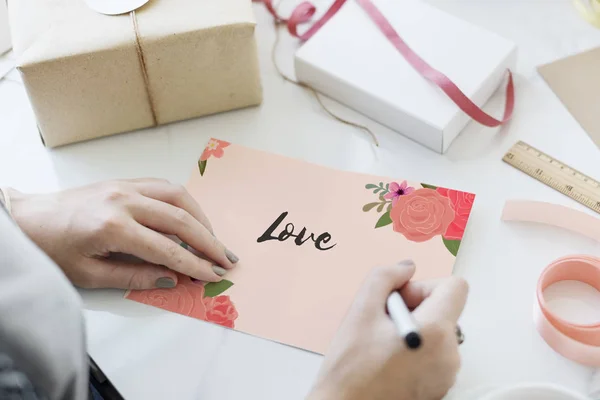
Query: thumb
x=384 y=280
x=127 y=275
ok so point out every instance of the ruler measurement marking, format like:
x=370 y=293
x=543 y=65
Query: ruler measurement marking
x=555 y=174
x=570 y=179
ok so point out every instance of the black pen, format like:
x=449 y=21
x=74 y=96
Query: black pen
x=403 y=319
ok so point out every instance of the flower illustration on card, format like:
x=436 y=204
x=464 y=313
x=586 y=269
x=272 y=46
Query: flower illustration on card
x=192 y=298
x=184 y=298
x=462 y=203
x=214 y=148
x=422 y=214
x=220 y=310
x=396 y=190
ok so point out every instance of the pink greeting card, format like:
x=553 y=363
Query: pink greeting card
x=307 y=236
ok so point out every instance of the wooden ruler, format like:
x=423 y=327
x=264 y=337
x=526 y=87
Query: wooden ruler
x=556 y=174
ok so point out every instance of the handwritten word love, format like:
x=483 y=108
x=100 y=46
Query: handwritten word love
x=289 y=231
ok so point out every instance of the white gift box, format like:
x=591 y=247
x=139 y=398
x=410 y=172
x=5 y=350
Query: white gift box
x=350 y=60
x=5 y=43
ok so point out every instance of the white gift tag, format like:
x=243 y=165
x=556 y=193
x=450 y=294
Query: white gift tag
x=115 y=7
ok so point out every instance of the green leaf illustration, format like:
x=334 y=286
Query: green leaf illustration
x=380 y=208
x=452 y=246
x=389 y=207
x=369 y=207
x=426 y=186
x=381 y=189
x=184 y=245
x=202 y=167
x=385 y=190
x=383 y=220
x=214 y=289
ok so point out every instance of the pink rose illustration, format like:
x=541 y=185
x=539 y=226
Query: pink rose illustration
x=186 y=298
x=422 y=215
x=214 y=148
x=193 y=298
x=462 y=203
x=396 y=190
x=220 y=310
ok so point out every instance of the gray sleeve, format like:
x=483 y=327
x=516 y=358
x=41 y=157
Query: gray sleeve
x=41 y=323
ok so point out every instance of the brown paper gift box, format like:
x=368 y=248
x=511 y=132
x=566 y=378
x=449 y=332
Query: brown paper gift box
x=84 y=71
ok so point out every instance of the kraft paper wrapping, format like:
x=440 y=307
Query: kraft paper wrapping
x=85 y=79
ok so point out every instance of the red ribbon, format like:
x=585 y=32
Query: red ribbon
x=304 y=12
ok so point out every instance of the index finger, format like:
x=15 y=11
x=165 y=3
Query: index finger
x=446 y=301
x=155 y=248
x=414 y=292
x=175 y=195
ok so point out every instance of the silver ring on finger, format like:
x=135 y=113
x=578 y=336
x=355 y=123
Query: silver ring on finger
x=460 y=337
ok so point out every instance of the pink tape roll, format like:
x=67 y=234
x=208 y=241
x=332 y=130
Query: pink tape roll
x=578 y=342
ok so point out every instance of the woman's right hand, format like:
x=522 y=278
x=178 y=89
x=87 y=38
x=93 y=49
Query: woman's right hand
x=368 y=359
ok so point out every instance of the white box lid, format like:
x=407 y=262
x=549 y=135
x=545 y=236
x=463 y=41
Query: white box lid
x=351 y=48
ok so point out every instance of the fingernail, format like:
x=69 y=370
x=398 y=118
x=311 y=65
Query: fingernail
x=165 y=283
x=231 y=257
x=406 y=263
x=218 y=270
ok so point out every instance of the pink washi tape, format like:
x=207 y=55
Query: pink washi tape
x=578 y=342
x=552 y=214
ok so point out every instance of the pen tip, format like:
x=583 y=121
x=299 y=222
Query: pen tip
x=413 y=340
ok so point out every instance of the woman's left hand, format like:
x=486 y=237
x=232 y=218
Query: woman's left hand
x=82 y=229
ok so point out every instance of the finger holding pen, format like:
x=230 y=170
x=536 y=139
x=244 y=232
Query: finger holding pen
x=369 y=359
x=435 y=301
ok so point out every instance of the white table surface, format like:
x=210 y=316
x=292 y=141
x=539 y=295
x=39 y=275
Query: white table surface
x=151 y=354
